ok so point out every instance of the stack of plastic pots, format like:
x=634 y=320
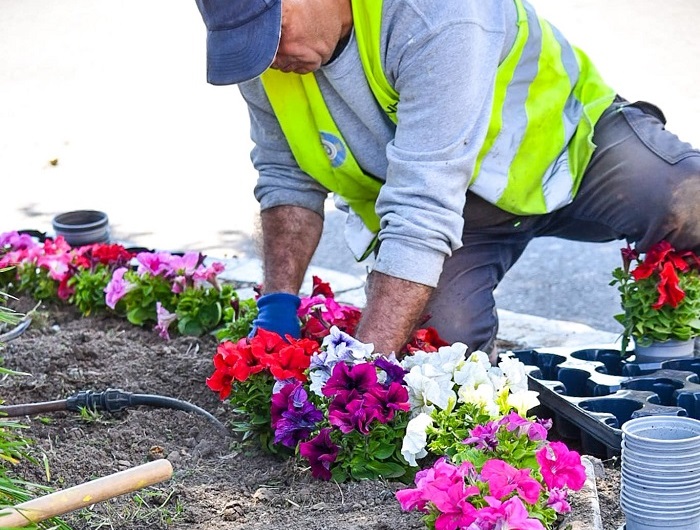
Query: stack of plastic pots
x=661 y=473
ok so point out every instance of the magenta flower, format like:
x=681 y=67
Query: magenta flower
x=182 y=268
x=155 y=263
x=509 y=515
x=558 y=501
x=484 y=436
x=443 y=486
x=535 y=431
x=503 y=479
x=350 y=411
x=361 y=377
x=320 y=452
x=117 y=287
x=208 y=274
x=561 y=467
x=390 y=400
x=16 y=241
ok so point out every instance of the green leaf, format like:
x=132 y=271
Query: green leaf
x=386 y=469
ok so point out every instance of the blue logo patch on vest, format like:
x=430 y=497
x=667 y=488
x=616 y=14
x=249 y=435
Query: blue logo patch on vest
x=334 y=148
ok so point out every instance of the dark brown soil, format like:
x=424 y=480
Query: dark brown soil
x=217 y=482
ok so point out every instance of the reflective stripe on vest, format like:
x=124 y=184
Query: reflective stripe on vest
x=547 y=98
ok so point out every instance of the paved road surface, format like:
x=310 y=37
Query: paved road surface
x=115 y=93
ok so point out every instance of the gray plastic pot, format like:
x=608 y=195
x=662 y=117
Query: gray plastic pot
x=82 y=227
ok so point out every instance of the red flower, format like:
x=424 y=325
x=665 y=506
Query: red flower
x=427 y=340
x=237 y=360
x=266 y=343
x=663 y=260
x=290 y=362
x=321 y=288
x=669 y=291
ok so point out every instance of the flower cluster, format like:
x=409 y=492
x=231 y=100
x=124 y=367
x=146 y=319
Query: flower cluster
x=320 y=311
x=246 y=373
x=450 y=394
x=365 y=405
x=159 y=288
x=41 y=270
x=489 y=492
x=660 y=294
x=165 y=288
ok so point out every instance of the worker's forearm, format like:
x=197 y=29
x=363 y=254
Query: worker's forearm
x=393 y=309
x=290 y=237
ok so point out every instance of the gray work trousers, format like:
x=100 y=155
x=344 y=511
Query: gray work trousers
x=642 y=185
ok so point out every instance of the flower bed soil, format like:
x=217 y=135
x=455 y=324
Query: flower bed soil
x=217 y=482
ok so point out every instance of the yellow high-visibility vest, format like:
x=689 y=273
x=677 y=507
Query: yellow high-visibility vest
x=535 y=109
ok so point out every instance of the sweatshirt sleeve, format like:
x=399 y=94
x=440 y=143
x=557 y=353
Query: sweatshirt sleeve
x=443 y=65
x=280 y=180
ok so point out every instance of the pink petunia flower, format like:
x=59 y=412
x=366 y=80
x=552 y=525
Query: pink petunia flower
x=561 y=467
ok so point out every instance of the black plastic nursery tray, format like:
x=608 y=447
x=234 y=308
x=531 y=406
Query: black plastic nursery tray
x=591 y=392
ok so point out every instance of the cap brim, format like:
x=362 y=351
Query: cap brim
x=243 y=53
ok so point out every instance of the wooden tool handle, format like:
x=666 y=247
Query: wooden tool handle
x=82 y=495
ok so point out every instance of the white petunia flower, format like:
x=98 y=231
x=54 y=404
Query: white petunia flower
x=523 y=401
x=318 y=380
x=416 y=438
x=471 y=374
x=449 y=358
x=418 y=358
x=483 y=395
x=497 y=378
x=514 y=371
x=425 y=389
x=480 y=357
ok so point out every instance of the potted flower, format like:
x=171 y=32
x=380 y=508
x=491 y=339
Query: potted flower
x=660 y=297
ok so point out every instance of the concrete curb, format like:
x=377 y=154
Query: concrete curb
x=589 y=518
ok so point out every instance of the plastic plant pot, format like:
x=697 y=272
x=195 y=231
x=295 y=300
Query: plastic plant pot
x=82 y=227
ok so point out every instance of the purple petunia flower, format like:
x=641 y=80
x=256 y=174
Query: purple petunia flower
x=349 y=410
x=362 y=377
x=293 y=416
x=320 y=452
x=390 y=400
x=117 y=287
x=484 y=436
x=394 y=371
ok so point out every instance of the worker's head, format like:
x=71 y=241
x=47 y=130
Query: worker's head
x=246 y=37
x=242 y=38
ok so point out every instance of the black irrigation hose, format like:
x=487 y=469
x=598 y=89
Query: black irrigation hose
x=111 y=400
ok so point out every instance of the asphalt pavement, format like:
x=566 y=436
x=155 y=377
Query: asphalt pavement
x=104 y=105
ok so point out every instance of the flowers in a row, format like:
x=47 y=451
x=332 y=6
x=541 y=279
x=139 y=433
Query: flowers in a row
x=351 y=413
x=159 y=288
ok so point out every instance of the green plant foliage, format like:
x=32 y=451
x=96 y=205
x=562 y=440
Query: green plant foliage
x=373 y=456
x=238 y=320
x=89 y=289
x=201 y=310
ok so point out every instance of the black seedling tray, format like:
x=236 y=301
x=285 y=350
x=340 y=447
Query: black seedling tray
x=591 y=392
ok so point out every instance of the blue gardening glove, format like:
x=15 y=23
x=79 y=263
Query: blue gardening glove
x=278 y=312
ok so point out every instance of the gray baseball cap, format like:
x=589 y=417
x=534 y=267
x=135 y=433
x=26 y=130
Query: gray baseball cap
x=242 y=38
